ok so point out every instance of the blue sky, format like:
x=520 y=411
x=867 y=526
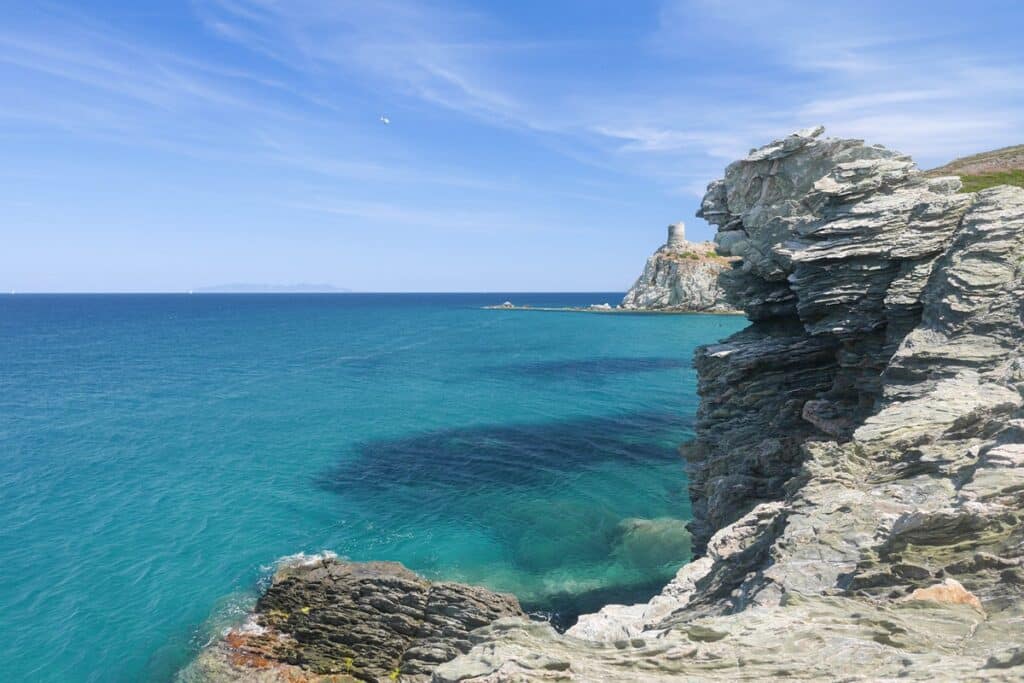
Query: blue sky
x=163 y=146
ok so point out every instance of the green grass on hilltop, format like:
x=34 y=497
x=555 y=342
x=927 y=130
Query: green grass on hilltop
x=979 y=171
x=701 y=256
x=973 y=183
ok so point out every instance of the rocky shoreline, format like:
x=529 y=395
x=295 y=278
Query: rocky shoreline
x=325 y=619
x=607 y=309
x=858 y=469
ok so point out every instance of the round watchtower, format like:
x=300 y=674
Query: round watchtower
x=676 y=236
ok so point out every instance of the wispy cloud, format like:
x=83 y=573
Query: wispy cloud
x=740 y=78
x=883 y=80
x=401 y=46
x=881 y=77
x=90 y=80
x=499 y=121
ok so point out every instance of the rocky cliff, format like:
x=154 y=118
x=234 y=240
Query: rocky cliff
x=680 y=276
x=858 y=471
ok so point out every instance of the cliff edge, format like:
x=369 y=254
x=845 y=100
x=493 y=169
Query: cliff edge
x=680 y=276
x=858 y=471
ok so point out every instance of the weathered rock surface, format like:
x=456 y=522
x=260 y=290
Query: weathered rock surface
x=680 y=276
x=858 y=471
x=329 y=620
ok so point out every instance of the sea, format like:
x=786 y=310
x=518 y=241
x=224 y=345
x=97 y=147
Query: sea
x=160 y=454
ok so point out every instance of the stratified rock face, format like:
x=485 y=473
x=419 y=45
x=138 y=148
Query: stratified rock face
x=858 y=472
x=330 y=620
x=680 y=276
x=837 y=242
x=750 y=425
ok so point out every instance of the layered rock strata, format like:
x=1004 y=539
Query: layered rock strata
x=680 y=276
x=329 y=620
x=858 y=471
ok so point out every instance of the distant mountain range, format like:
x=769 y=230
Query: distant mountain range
x=245 y=288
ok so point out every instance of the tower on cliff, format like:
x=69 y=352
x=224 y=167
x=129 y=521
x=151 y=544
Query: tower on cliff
x=676 y=236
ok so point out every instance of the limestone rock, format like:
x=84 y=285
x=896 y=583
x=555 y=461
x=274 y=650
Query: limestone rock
x=680 y=276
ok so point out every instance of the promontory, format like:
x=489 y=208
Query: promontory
x=857 y=475
x=680 y=276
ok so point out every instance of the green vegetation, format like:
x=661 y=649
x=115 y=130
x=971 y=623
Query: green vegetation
x=973 y=183
x=695 y=256
x=997 y=167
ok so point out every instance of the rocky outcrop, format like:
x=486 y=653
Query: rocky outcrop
x=858 y=470
x=680 y=276
x=329 y=620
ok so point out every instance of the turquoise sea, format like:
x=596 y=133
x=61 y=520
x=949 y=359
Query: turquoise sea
x=159 y=453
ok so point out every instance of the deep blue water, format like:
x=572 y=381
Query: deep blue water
x=158 y=453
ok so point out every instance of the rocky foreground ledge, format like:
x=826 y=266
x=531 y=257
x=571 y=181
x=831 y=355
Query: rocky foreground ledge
x=858 y=472
x=333 y=621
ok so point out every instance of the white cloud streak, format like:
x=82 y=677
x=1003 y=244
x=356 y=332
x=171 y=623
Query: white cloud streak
x=882 y=80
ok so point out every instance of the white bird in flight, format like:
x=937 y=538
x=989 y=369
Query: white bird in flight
x=385 y=120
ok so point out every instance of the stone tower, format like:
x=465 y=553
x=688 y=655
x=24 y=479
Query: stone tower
x=676 y=236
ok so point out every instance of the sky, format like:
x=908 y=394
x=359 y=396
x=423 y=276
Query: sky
x=532 y=146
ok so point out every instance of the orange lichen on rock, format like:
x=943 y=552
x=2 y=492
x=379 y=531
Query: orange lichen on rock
x=250 y=661
x=950 y=592
x=235 y=640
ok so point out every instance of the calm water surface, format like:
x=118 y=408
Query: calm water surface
x=158 y=454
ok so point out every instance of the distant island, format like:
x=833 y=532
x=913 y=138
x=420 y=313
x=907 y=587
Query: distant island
x=243 y=288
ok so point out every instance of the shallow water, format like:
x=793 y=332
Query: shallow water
x=160 y=452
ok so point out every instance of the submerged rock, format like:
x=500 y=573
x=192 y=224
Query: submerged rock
x=680 y=276
x=857 y=475
x=330 y=620
x=651 y=543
